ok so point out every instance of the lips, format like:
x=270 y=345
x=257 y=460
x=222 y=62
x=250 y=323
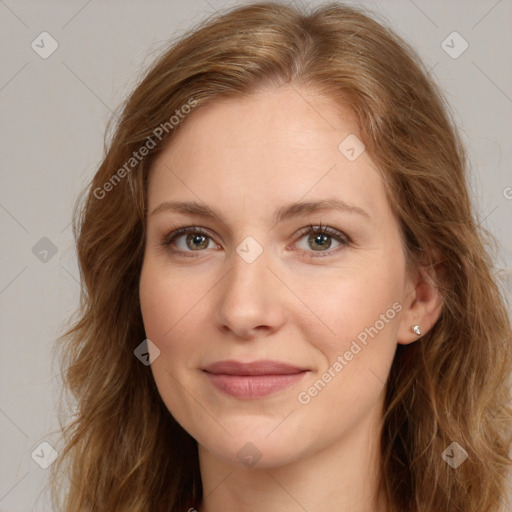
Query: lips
x=255 y=379
x=252 y=368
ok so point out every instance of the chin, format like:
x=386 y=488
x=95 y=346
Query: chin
x=257 y=443
x=257 y=453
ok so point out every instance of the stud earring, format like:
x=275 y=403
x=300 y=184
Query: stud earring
x=416 y=329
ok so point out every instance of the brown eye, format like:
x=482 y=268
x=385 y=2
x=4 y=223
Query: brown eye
x=320 y=240
x=196 y=241
x=188 y=239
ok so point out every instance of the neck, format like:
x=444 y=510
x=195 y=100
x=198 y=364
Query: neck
x=343 y=477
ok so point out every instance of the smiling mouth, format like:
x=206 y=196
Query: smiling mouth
x=252 y=380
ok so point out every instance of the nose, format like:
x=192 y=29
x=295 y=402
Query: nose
x=251 y=300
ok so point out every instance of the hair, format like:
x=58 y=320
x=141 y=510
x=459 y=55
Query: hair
x=123 y=450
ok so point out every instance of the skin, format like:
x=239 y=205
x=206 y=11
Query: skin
x=245 y=158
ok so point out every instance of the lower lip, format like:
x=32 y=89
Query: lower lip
x=253 y=386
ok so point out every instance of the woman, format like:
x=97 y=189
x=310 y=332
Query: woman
x=287 y=303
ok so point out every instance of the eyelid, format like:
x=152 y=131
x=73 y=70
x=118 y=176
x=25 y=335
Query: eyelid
x=175 y=233
x=321 y=229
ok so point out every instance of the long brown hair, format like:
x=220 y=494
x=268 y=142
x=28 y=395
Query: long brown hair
x=123 y=451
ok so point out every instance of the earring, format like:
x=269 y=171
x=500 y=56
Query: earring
x=416 y=329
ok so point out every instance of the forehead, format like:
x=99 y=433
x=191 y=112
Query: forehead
x=252 y=123
x=271 y=147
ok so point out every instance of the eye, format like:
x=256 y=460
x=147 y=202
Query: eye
x=193 y=239
x=188 y=239
x=320 y=239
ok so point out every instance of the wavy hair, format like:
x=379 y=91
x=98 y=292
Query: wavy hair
x=123 y=451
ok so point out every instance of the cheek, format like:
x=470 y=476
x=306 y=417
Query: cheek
x=154 y=303
x=173 y=309
x=355 y=306
x=364 y=315
x=166 y=301
x=164 y=307
x=161 y=310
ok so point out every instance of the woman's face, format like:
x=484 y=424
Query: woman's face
x=275 y=343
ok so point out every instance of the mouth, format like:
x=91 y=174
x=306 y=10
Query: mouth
x=255 y=379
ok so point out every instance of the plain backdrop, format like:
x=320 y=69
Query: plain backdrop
x=54 y=112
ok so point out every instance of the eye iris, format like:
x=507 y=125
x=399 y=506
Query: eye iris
x=320 y=238
x=195 y=238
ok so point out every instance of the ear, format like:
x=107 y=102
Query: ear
x=422 y=306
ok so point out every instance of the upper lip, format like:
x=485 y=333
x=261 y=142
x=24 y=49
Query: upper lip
x=262 y=367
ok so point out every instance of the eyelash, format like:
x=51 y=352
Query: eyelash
x=340 y=237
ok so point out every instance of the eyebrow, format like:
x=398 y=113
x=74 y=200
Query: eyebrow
x=283 y=213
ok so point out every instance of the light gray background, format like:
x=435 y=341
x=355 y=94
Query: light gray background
x=54 y=113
